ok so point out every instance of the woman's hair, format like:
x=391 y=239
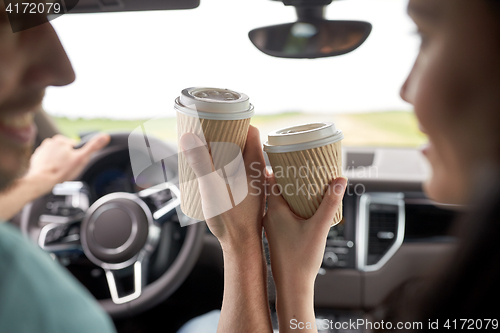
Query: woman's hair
x=468 y=286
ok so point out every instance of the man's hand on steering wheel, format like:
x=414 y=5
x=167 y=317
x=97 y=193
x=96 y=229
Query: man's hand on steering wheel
x=53 y=162
x=56 y=160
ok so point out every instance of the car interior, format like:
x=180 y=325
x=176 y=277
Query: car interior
x=391 y=232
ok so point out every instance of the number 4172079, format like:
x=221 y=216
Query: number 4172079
x=471 y=324
x=34 y=8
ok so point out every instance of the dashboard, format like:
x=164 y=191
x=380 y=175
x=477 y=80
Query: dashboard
x=379 y=223
x=390 y=231
x=387 y=220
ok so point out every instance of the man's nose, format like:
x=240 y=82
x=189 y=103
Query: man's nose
x=48 y=63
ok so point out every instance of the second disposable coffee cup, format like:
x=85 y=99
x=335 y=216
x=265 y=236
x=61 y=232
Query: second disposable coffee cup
x=305 y=159
x=221 y=118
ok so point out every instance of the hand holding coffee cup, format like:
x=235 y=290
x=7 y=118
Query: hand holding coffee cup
x=305 y=159
x=220 y=119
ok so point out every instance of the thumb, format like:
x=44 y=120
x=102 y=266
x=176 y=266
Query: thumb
x=273 y=191
x=96 y=143
x=331 y=201
x=196 y=154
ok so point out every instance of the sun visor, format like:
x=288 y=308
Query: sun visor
x=99 y=6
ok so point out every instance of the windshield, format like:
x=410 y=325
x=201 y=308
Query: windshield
x=130 y=67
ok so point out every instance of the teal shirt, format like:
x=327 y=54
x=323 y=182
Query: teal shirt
x=38 y=295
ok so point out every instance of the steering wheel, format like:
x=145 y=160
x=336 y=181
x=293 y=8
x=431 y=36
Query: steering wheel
x=123 y=233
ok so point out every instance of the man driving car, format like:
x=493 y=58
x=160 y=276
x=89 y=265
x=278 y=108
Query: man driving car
x=36 y=294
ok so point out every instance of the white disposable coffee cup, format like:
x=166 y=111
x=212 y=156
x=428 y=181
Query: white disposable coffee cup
x=215 y=115
x=305 y=159
x=214 y=104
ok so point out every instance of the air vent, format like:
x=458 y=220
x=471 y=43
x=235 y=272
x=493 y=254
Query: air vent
x=380 y=230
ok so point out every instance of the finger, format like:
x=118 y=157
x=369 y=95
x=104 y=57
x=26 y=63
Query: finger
x=253 y=155
x=276 y=204
x=273 y=192
x=60 y=139
x=72 y=142
x=196 y=154
x=98 y=142
x=331 y=201
x=253 y=147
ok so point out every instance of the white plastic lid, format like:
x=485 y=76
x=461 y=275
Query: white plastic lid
x=301 y=137
x=214 y=103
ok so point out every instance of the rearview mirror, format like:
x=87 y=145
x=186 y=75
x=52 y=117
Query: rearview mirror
x=315 y=39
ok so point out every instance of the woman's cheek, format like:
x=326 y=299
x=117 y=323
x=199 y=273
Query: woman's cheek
x=428 y=89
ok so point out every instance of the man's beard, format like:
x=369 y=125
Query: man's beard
x=8 y=177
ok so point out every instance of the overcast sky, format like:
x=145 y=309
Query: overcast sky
x=133 y=65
